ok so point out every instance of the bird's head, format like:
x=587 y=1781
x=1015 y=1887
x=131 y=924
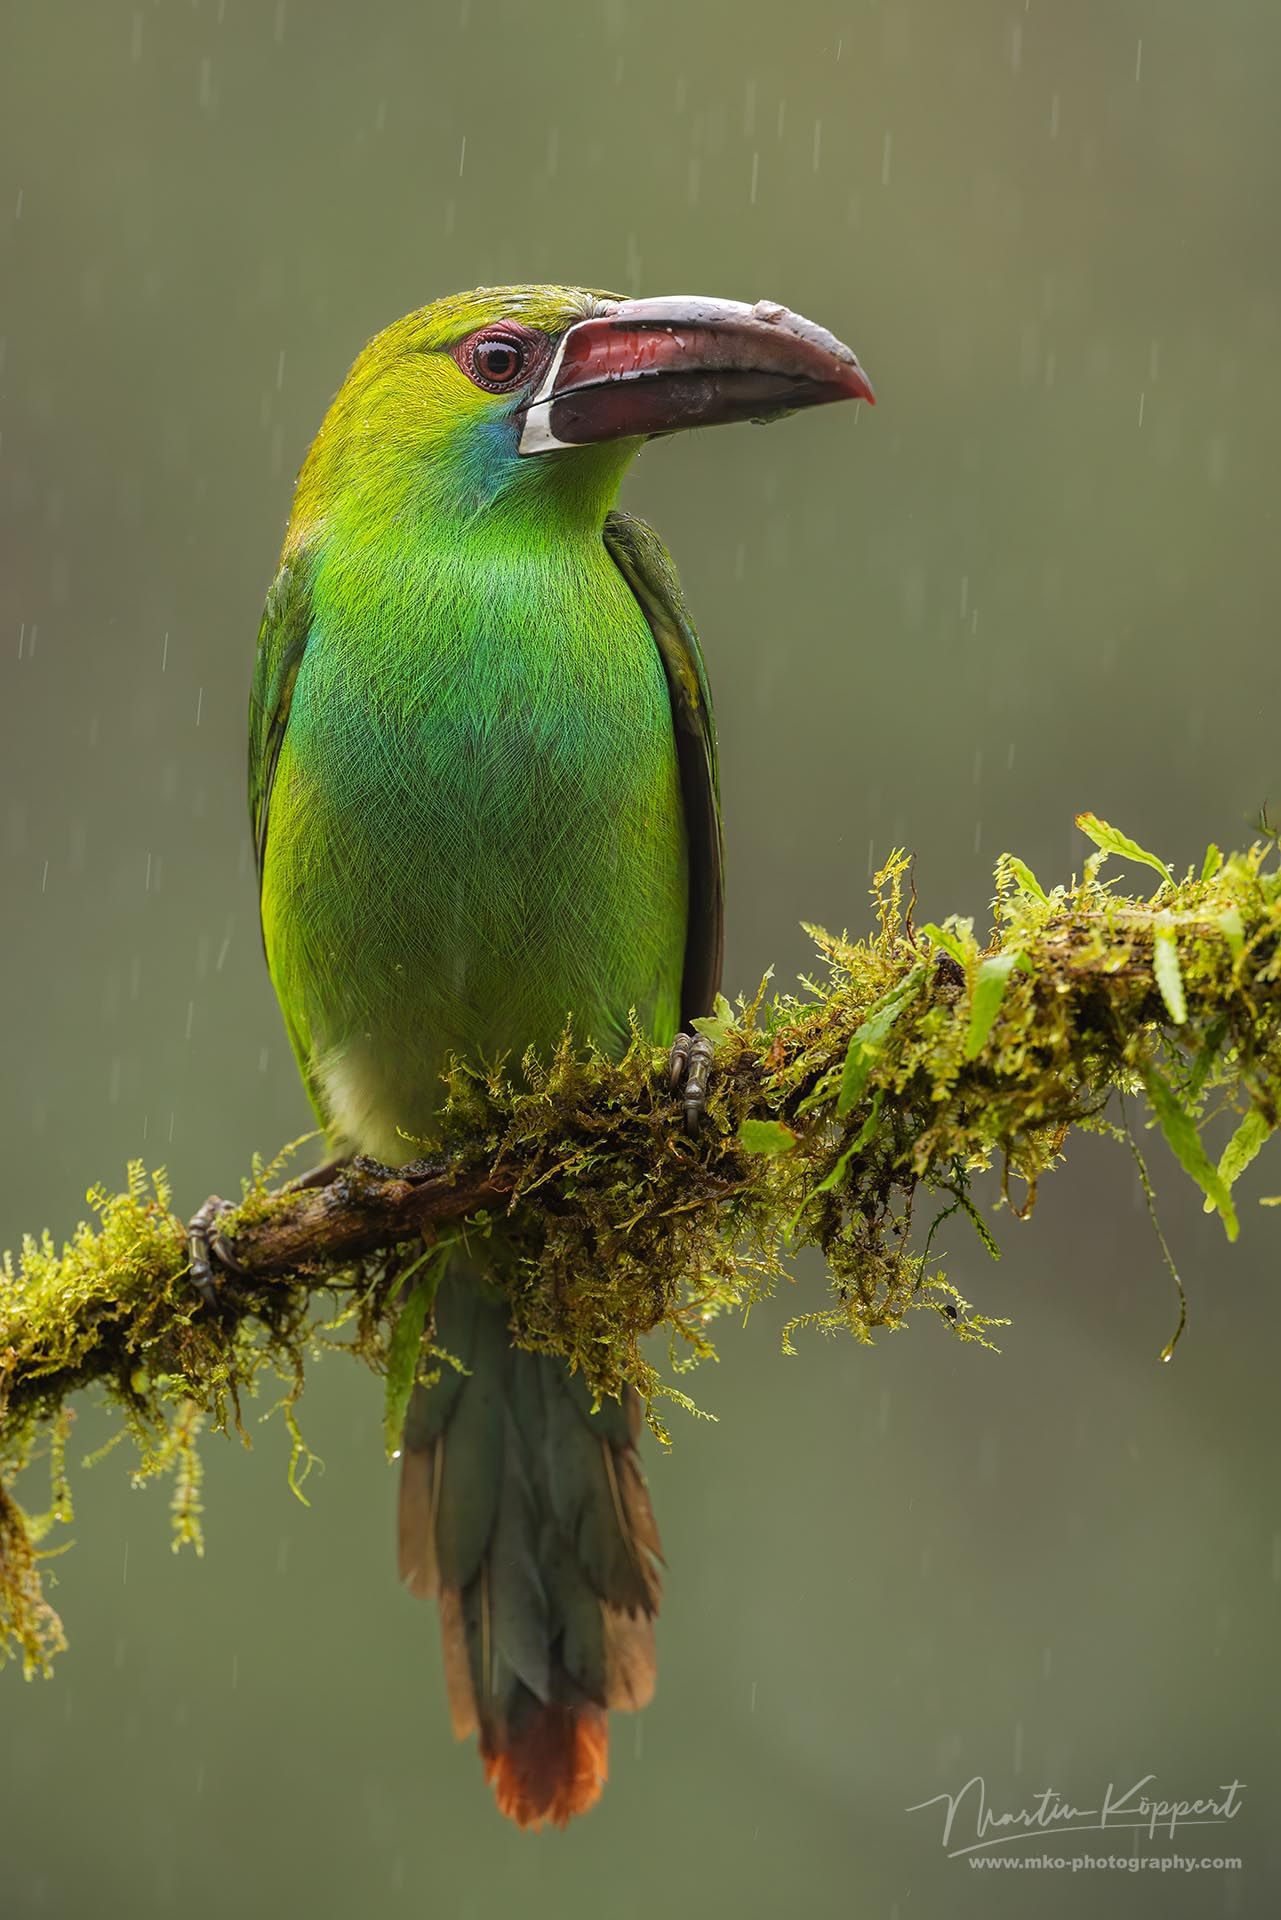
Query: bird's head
x=527 y=395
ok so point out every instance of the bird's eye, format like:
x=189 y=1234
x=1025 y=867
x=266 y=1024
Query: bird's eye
x=496 y=361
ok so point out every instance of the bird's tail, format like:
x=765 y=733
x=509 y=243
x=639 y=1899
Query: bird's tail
x=525 y=1516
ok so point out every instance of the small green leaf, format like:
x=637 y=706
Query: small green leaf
x=833 y=1178
x=822 y=1092
x=856 y=1145
x=1270 y=1200
x=1232 y=927
x=978 y=1223
x=1212 y=862
x=723 y=1010
x=867 y=1042
x=1241 y=1150
x=1184 y=1141
x=1169 y=974
x=767 y=1136
x=1207 y=1054
x=947 y=939
x=989 y=991
x=1112 y=840
x=1027 y=879
x=404 y=1346
x=711 y=1028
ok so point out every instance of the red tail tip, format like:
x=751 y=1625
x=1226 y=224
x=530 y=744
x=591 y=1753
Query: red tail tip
x=552 y=1768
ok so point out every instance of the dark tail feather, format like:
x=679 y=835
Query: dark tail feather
x=527 y=1518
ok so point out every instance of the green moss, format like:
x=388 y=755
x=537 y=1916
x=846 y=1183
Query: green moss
x=851 y=1117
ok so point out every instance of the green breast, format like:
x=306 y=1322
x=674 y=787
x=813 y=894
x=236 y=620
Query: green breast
x=476 y=825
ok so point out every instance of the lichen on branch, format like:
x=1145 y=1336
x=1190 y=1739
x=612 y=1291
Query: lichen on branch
x=850 y=1116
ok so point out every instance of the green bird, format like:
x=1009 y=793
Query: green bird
x=484 y=796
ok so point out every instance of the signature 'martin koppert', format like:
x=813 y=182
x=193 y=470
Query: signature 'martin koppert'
x=484 y=795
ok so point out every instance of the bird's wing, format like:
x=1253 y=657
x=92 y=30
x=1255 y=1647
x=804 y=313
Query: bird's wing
x=645 y=564
x=282 y=641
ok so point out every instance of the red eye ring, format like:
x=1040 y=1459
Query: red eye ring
x=496 y=360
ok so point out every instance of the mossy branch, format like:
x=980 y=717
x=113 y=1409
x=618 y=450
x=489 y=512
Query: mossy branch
x=836 y=1114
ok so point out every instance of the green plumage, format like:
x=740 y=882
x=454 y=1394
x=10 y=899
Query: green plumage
x=476 y=824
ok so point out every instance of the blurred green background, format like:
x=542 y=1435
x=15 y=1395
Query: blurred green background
x=1042 y=575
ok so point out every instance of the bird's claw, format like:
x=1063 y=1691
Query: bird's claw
x=690 y=1063
x=209 y=1255
x=210 y=1258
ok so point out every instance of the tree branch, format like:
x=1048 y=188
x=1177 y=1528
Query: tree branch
x=363 y=1209
x=923 y=1057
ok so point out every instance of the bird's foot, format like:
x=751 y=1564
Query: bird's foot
x=210 y=1256
x=690 y=1063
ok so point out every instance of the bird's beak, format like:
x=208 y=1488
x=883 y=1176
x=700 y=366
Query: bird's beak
x=642 y=367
